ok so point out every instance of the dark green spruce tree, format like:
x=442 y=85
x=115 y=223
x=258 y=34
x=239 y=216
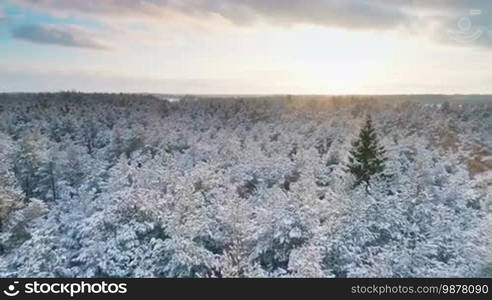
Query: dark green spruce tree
x=367 y=156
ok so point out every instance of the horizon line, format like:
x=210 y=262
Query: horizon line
x=246 y=94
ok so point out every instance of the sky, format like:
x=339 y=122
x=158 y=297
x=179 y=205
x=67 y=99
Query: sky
x=247 y=47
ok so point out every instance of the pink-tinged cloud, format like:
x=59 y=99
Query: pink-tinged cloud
x=436 y=18
x=343 y=13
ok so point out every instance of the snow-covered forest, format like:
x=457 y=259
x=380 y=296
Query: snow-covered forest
x=110 y=185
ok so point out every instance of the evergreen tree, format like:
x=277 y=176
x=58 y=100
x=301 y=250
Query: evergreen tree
x=30 y=158
x=367 y=156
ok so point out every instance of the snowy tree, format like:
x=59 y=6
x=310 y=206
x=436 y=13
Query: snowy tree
x=10 y=195
x=367 y=156
x=31 y=157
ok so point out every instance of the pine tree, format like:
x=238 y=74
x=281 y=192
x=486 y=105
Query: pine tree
x=30 y=157
x=367 y=156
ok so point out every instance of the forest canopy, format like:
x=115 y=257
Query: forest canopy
x=115 y=185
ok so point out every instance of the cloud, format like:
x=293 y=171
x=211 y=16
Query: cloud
x=344 y=13
x=435 y=18
x=63 y=35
